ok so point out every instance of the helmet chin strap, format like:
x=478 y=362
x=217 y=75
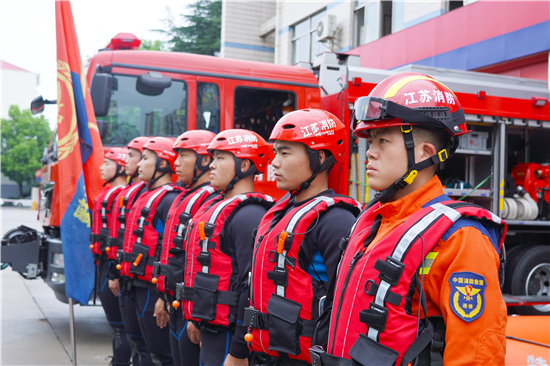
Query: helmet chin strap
x=316 y=168
x=412 y=167
x=158 y=169
x=239 y=175
x=202 y=168
x=117 y=174
x=135 y=174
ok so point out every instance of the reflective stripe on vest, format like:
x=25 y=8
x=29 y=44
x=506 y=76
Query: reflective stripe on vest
x=184 y=207
x=118 y=217
x=205 y=283
x=140 y=244
x=278 y=284
x=374 y=282
x=100 y=218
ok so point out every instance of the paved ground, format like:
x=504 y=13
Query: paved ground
x=35 y=325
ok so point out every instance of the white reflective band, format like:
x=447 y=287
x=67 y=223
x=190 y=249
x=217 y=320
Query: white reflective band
x=148 y=205
x=495 y=218
x=452 y=214
x=413 y=232
x=373 y=334
x=123 y=209
x=281 y=259
x=383 y=288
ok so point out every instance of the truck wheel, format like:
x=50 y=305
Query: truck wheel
x=529 y=274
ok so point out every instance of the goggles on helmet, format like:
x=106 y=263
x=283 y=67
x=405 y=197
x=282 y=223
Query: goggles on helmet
x=435 y=118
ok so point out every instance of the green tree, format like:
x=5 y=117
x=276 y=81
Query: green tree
x=151 y=45
x=201 y=32
x=23 y=139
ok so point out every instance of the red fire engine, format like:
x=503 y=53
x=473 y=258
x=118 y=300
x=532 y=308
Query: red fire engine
x=503 y=165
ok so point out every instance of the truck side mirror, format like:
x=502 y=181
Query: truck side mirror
x=37 y=105
x=102 y=127
x=100 y=90
x=153 y=83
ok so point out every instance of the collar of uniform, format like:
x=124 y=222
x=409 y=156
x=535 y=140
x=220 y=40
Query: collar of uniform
x=324 y=193
x=198 y=187
x=407 y=205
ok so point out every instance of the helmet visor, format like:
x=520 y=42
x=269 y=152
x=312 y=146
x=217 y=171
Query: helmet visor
x=370 y=108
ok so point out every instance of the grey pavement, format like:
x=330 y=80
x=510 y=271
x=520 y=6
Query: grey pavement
x=35 y=325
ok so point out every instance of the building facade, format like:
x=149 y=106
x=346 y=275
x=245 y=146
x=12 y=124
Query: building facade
x=18 y=88
x=504 y=37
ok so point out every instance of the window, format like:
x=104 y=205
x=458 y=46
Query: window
x=373 y=19
x=208 y=107
x=455 y=5
x=304 y=42
x=132 y=114
x=259 y=110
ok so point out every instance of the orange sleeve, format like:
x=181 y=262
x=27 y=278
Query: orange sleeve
x=475 y=332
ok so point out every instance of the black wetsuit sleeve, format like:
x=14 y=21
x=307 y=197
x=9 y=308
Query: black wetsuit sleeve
x=325 y=239
x=164 y=207
x=239 y=242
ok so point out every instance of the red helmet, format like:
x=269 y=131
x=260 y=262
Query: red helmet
x=137 y=143
x=410 y=98
x=118 y=155
x=316 y=128
x=243 y=144
x=197 y=140
x=162 y=146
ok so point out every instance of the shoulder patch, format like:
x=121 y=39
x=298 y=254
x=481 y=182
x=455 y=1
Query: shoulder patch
x=467 y=298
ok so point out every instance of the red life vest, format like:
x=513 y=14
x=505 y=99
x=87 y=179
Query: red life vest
x=101 y=215
x=283 y=303
x=371 y=320
x=141 y=239
x=171 y=266
x=121 y=205
x=206 y=293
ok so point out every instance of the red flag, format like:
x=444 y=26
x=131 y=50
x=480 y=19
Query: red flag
x=80 y=154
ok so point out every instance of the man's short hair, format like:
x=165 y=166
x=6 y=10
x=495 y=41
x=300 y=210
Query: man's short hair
x=437 y=139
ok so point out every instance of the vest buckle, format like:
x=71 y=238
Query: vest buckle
x=204 y=259
x=184 y=218
x=279 y=276
x=390 y=270
x=374 y=317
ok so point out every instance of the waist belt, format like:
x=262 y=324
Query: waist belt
x=320 y=358
x=160 y=269
x=256 y=320
x=230 y=298
x=143 y=284
x=113 y=242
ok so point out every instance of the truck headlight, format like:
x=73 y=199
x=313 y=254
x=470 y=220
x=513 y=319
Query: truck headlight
x=58 y=277
x=58 y=260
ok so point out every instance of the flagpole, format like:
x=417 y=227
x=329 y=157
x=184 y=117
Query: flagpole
x=73 y=338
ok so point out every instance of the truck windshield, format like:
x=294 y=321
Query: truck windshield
x=132 y=114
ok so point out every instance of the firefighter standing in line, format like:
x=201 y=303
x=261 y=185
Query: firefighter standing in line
x=419 y=279
x=119 y=285
x=219 y=247
x=192 y=166
x=143 y=241
x=296 y=251
x=113 y=173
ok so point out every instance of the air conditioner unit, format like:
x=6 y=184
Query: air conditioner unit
x=326 y=28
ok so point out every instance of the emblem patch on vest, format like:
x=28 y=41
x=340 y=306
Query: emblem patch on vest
x=467 y=297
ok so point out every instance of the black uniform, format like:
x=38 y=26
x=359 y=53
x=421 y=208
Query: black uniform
x=184 y=352
x=146 y=295
x=319 y=256
x=236 y=241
